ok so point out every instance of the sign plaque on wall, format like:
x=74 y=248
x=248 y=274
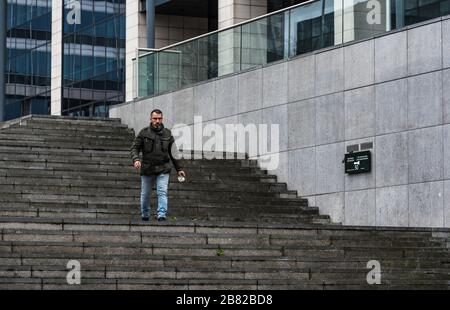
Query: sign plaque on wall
x=358 y=162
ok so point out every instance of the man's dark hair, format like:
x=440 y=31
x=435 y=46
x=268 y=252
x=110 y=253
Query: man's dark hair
x=157 y=111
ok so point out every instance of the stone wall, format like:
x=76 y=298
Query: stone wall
x=392 y=91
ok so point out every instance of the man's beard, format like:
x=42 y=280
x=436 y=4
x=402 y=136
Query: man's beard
x=157 y=126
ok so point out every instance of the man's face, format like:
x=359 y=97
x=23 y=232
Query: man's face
x=156 y=120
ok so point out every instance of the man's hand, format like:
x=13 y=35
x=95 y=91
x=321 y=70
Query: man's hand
x=137 y=164
x=181 y=173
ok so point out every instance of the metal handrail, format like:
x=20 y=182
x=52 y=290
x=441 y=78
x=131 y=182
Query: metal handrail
x=150 y=51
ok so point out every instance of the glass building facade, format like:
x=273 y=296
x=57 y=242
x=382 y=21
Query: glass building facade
x=29 y=57
x=421 y=10
x=94 y=58
x=93 y=61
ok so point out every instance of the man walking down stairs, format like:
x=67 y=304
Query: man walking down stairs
x=155 y=143
x=69 y=220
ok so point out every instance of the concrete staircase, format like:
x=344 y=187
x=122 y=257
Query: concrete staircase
x=68 y=192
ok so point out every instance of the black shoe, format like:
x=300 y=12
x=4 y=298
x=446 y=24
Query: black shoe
x=161 y=219
x=145 y=219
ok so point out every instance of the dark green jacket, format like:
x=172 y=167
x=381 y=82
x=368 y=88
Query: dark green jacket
x=156 y=149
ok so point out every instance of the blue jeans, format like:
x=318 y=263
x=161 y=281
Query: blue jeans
x=162 y=182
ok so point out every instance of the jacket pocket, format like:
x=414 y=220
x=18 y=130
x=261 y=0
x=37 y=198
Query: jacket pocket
x=165 y=144
x=148 y=144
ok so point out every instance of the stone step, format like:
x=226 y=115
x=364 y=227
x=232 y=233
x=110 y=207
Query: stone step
x=49 y=123
x=187 y=215
x=64 y=151
x=175 y=190
x=307 y=235
x=126 y=162
x=160 y=280
x=47 y=247
x=207 y=166
x=43 y=172
x=174 y=208
x=119 y=157
x=195 y=250
x=61 y=155
x=64 y=118
x=25 y=138
x=346 y=242
x=43 y=168
x=125 y=284
x=312 y=263
x=255 y=217
x=294 y=231
x=304 y=275
x=101 y=166
x=93 y=195
x=49 y=152
x=42 y=141
x=175 y=196
x=200 y=262
x=190 y=275
x=154 y=248
x=64 y=145
x=210 y=239
x=66 y=167
x=70 y=131
x=112 y=153
x=130 y=207
x=14 y=133
x=184 y=285
x=181 y=214
x=20 y=284
x=86 y=133
x=347 y=285
x=191 y=183
x=10 y=193
x=400 y=252
x=194 y=183
x=81 y=160
x=29 y=197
